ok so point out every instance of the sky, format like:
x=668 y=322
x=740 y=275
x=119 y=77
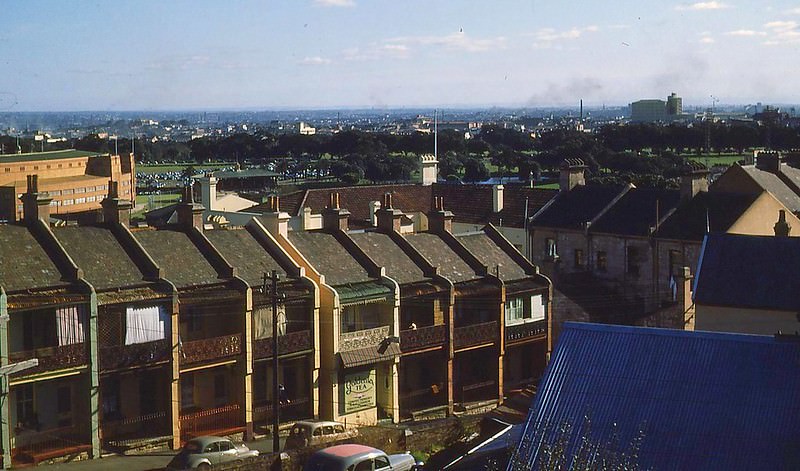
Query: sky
x=322 y=54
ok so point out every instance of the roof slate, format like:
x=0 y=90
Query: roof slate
x=758 y=272
x=719 y=211
x=182 y=263
x=436 y=251
x=773 y=183
x=491 y=255
x=386 y=253
x=572 y=209
x=329 y=257
x=245 y=253
x=697 y=400
x=104 y=261
x=473 y=204
x=637 y=211
x=23 y=262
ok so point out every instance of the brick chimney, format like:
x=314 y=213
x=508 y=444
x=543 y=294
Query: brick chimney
x=333 y=217
x=115 y=209
x=439 y=220
x=573 y=173
x=693 y=180
x=35 y=205
x=274 y=220
x=190 y=214
x=768 y=161
x=782 y=228
x=389 y=218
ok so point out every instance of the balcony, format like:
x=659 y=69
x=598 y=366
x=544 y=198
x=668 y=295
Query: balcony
x=52 y=358
x=225 y=420
x=520 y=332
x=292 y=342
x=363 y=338
x=211 y=349
x=422 y=338
x=138 y=354
x=476 y=334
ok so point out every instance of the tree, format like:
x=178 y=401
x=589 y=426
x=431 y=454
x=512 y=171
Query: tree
x=475 y=170
x=450 y=166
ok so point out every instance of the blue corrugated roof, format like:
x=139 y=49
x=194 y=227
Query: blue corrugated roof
x=694 y=400
x=760 y=272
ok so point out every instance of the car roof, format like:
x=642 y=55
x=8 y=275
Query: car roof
x=349 y=450
x=316 y=423
x=206 y=439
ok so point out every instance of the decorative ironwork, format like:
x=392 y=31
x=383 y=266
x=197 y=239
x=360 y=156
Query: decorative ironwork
x=363 y=338
x=292 y=342
x=119 y=431
x=224 y=420
x=520 y=332
x=137 y=354
x=215 y=348
x=422 y=337
x=475 y=334
x=52 y=358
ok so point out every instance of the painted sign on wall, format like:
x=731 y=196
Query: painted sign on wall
x=359 y=391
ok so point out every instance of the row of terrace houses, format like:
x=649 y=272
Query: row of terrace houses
x=146 y=335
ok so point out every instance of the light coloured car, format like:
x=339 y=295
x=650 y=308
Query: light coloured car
x=354 y=457
x=317 y=432
x=207 y=451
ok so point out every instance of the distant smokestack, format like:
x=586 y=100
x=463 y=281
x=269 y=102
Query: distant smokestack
x=581 y=109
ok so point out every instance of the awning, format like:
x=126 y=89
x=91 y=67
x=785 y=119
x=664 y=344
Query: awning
x=362 y=293
x=369 y=355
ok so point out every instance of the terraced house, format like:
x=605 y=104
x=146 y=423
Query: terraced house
x=147 y=336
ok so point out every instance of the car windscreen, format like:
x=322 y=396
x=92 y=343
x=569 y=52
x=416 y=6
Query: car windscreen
x=192 y=447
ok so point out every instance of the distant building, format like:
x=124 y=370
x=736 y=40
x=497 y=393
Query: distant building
x=674 y=105
x=648 y=111
x=305 y=129
x=75 y=180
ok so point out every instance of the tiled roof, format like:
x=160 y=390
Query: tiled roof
x=180 y=260
x=104 y=261
x=758 y=272
x=715 y=210
x=436 y=251
x=773 y=183
x=245 y=253
x=693 y=400
x=574 y=208
x=329 y=257
x=637 y=211
x=382 y=249
x=473 y=204
x=491 y=255
x=23 y=262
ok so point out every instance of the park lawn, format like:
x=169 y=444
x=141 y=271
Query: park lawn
x=548 y=186
x=716 y=159
x=158 y=200
x=163 y=168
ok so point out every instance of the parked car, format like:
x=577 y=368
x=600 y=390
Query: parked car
x=317 y=432
x=204 y=452
x=359 y=458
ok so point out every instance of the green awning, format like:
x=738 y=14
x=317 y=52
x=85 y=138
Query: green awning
x=362 y=293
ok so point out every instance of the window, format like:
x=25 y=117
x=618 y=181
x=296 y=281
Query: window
x=327 y=430
x=579 y=261
x=381 y=462
x=187 y=391
x=80 y=200
x=225 y=446
x=538 y=308
x=64 y=405
x=515 y=309
x=550 y=247
x=365 y=465
x=602 y=261
x=26 y=410
x=675 y=262
x=110 y=396
x=632 y=261
x=68 y=202
x=220 y=389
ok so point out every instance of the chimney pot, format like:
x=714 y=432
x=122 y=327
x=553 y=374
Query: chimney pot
x=782 y=228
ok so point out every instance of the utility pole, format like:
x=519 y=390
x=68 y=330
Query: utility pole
x=275 y=297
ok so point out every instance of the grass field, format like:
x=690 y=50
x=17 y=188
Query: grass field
x=163 y=168
x=716 y=159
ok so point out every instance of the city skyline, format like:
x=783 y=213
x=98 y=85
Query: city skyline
x=321 y=54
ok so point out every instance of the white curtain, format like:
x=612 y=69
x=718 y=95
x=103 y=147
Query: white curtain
x=146 y=324
x=70 y=325
x=262 y=322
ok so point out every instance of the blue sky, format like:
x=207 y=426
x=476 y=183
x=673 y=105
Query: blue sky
x=163 y=55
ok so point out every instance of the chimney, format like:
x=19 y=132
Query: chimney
x=35 y=205
x=389 y=219
x=782 y=228
x=572 y=174
x=694 y=180
x=497 y=198
x=768 y=161
x=275 y=221
x=190 y=214
x=430 y=169
x=439 y=220
x=374 y=206
x=115 y=209
x=333 y=217
x=208 y=191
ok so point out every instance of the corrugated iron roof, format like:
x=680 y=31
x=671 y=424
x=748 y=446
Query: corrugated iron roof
x=692 y=400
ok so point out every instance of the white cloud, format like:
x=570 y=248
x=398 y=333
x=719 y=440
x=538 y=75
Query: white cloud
x=707 y=40
x=547 y=36
x=793 y=11
x=315 y=60
x=781 y=25
x=712 y=5
x=782 y=32
x=335 y=3
x=745 y=33
x=456 y=41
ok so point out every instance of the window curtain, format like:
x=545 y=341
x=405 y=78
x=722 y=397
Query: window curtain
x=70 y=322
x=146 y=324
x=262 y=322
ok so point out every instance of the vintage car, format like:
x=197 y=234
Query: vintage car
x=317 y=432
x=204 y=452
x=354 y=457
